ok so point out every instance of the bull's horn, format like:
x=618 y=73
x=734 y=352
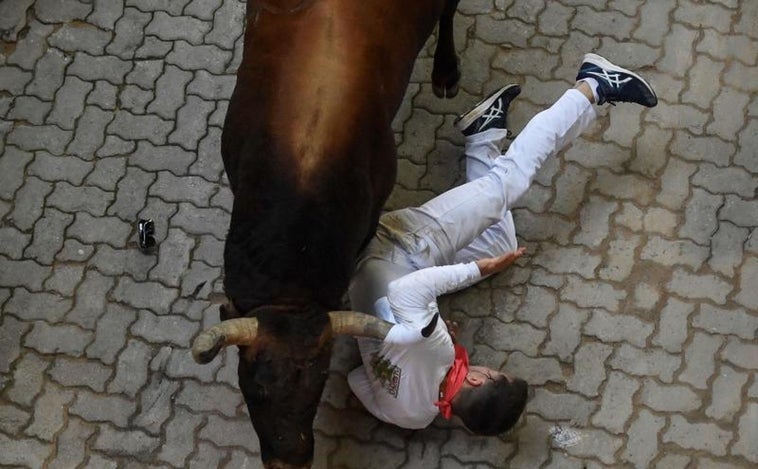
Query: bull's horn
x=359 y=324
x=239 y=331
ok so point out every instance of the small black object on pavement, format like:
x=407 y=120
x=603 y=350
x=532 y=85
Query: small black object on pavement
x=145 y=235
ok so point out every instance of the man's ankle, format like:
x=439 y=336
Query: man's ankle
x=584 y=88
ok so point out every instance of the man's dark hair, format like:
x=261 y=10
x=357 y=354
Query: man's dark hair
x=492 y=408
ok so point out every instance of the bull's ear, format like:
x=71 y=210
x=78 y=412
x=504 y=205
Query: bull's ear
x=223 y=312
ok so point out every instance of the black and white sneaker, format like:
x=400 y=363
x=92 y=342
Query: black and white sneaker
x=616 y=84
x=489 y=113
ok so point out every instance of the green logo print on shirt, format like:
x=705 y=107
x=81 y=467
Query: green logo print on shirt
x=387 y=374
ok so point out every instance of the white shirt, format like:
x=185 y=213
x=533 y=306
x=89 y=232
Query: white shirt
x=399 y=383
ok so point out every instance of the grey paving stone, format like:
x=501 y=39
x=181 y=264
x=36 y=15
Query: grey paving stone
x=217 y=118
x=211 y=87
x=591 y=294
x=59 y=11
x=48 y=236
x=173 y=258
x=12 y=166
x=90 y=132
x=145 y=73
x=741 y=354
x=594 y=217
x=12 y=419
x=674 y=253
x=661 y=220
x=202 y=9
x=125 y=443
x=726 y=398
x=567 y=260
x=513 y=336
x=535 y=371
x=699 y=357
x=228 y=21
x=173 y=7
x=156 y=403
x=669 y=398
x=675 y=183
x=627 y=186
x=672 y=325
x=203 y=57
x=107 y=172
x=746 y=295
x=200 y=221
x=169 y=157
x=565 y=332
x=13 y=242
x=164 y=328
x=129 y=33
x=94 y=407
x=13 y=18
x=23 y=452
x=538 y=304
x=140 y=127
x=91 y=300
x=37 y=305
x=22 y=273
x=48 y=75
x=13 y=79
x=110 y=333
x=40 y=137
x=600 y=22
x=744 y=446
x=80 y=37
x=153 y=48
x=191 y=122
x=178 y=189
x=69 y=372
x=76 y=199
x=75 y=251
x=747 y=138
x=115 y=146
x=131 y=369
x=673 y=461
x=570 y=189
x=178 y=363
x=726 y=321
x=53 y=168
x=70 y=452
x=149 y=295
x=617 y=328
x=30 y=109
x=134 y=99
x=60 y=338
x=589 y=369
x=106 y=67
x=709 y=149
x=27 y=381
x=209 y=397
x=172 y=28
x=740 y=212
x=616 y=403
x=11 y=332
x=49 y=413
x=699 y=286
x=597 y=443
x=103 y=95
x=132 y=191
x=105 y=14
x=702 y=92
x=230 y=433
x=209 y=250
x=642 y=443
x=178 y=447
x=704 y=436
x=645 y=362
x=90 y=230
x=223 y=198
x=561 y=406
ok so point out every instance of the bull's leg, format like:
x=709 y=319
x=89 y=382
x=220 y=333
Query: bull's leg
x=446 y=74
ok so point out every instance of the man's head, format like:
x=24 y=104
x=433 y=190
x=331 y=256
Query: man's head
x=490 y=402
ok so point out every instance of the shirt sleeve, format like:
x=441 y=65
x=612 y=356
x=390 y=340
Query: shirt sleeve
x=410 y=296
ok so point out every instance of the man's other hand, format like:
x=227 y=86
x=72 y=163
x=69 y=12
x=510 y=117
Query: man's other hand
x=493 y=265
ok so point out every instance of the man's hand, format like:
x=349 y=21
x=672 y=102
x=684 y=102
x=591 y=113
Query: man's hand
x=493 y=265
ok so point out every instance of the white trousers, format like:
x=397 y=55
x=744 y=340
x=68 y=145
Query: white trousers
x=473 y=220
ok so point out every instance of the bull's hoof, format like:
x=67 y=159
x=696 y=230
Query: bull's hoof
x=446 y=88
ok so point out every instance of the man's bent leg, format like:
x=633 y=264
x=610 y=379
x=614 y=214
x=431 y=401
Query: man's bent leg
x=452 y=220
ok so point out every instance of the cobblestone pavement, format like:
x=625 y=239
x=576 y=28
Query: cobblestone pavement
x=633 y=315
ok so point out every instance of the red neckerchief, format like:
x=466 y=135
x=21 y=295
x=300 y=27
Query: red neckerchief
x=453 y=381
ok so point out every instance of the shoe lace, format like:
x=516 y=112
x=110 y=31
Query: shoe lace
x=494 y=112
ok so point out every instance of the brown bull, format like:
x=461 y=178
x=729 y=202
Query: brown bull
x=310 y=155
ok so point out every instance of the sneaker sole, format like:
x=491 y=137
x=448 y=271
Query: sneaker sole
x=464 y=120
x=602 y=62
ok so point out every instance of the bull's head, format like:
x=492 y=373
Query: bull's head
x=283 y=366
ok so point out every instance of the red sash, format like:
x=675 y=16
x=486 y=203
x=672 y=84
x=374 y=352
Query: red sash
x=453 y=381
